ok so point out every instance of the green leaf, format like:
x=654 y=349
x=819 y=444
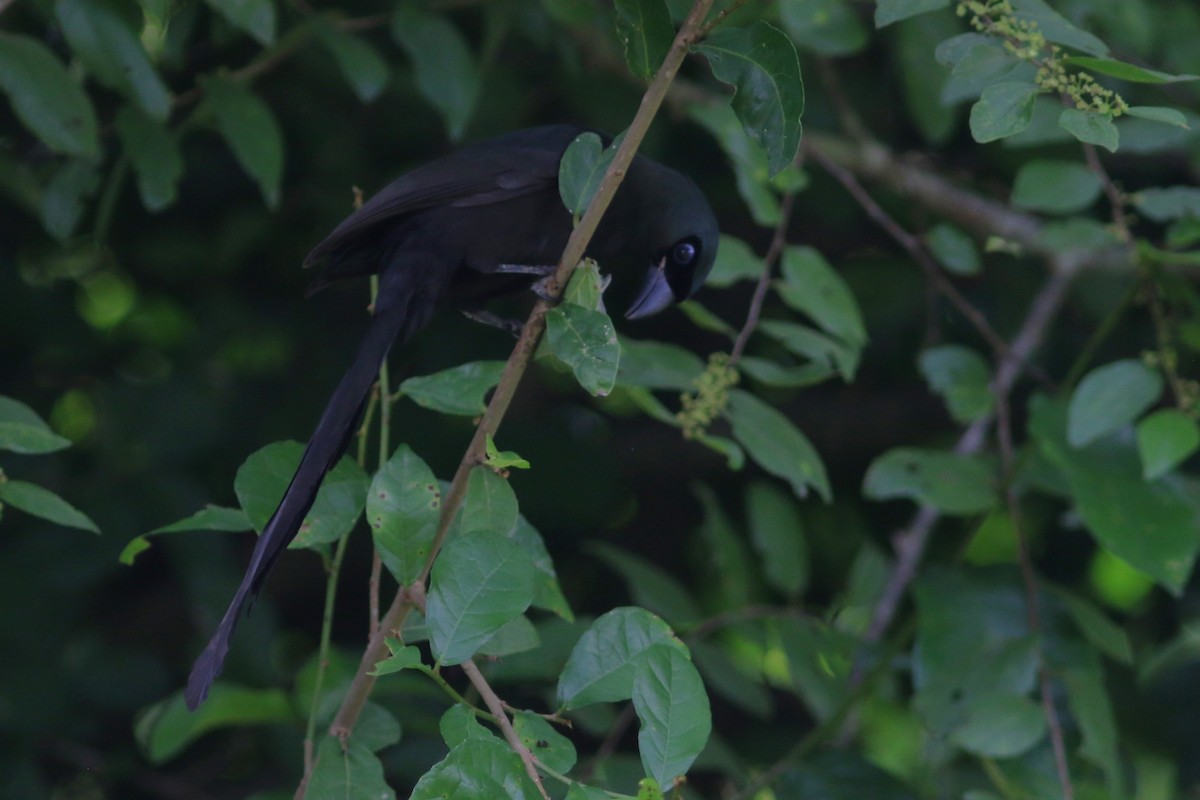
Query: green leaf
x=445 y=69
x=657 y=365
x=209 y=518
x=1092 y=707
x=1165 y=439
x=475 y=769
x=704 y=319
x=921 y=77
x=580 y=170
x=586 y=341
x=165 y=729
x=959 y=376
x=825 y=27
x=545 y=742
x=649 y=585
x=348 y=772
x=401 y=657
x=1152 y=526
x=490 y=504
x=1056 y=187
x=579 y=791
x=951 y=483
x=458 y=390
x=748 y=158
x=403 y=506
x=761 y=64
x=1000 y=725
x=1125 y=71
x=547 y=593
x=736 y=261
x=515 y=636
x=264 y=477
x=673 y=710
x=1171 y=116
x=814 y=345
x=776 y=445
x=1110 y=397
x=43 y=503
x=255 y=17
x=724 y=677
x=586 y=286
x=727 y=568
x=154 y=154
x=777 y=533
x=954 y=249
x=645 y=30
x=63 y=203
x=983 y=64
x=1057 y=28
x=360 y=63
x=459 y=724
x=889 y=11
x=1003 y=109
x=480 y=582
x=502 y=460
x=45 y=98
x=1171 y=202
x=811 y=286
x=104 y=35
x=251 y=131
x=1090 y=127
x=770 y=373
x=1107 y=636
x=23 y=431
x=603 y=663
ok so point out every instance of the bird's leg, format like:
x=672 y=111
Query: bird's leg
x=543 y=271
x=493 y=320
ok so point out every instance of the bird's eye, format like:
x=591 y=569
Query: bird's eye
x=683 y=253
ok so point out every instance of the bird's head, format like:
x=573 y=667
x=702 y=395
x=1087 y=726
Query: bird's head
x=682 y=233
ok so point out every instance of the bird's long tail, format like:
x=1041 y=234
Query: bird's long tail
x=399 y=312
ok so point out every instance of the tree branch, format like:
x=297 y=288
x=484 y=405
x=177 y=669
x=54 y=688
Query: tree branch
x=496 y=706
x=363 y=682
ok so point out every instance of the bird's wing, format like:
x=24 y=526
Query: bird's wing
x=490 y=172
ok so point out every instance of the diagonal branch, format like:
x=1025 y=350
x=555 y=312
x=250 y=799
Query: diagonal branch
x=363 y=681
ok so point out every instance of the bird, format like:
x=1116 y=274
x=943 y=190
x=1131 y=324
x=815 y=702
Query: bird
x=483 y=221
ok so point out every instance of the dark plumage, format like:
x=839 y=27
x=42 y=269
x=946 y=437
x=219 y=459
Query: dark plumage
x=484 y=220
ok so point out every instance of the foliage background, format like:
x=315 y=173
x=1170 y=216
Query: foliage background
x=168 y=344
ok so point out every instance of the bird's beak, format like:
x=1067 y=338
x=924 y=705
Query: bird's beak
x=655 y=294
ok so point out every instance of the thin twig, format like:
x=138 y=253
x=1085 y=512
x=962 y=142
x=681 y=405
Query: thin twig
x=911 y=542
x=1116 y=198
x=774 y=251
x=1029 y=580
x=918 y=252
x=510 y=735
x=363 y=681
